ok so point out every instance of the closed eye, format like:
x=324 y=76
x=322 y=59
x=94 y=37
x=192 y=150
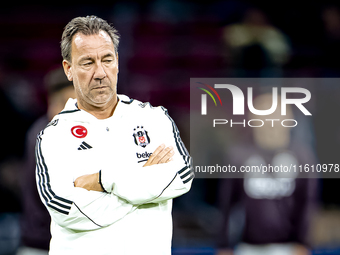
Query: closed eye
x=87 y=63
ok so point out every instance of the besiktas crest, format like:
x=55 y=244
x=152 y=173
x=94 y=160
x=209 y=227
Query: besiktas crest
x=141 y=136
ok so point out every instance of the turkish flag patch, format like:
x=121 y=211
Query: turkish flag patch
x=79 y=131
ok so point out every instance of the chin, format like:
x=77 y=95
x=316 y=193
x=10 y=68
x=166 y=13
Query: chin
x=102 y=100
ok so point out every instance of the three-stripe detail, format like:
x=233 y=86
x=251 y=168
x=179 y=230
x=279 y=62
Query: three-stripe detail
x=84 y=146
x=186 y=173
x=53 y=201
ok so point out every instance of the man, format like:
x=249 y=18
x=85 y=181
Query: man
x=108 y=166
x=268 y=213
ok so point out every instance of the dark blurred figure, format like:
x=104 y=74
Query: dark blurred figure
x=10 y=197
x=254 y=47
x=270 y=213
x=14 y=124
x=331 y=41
x=35 y=225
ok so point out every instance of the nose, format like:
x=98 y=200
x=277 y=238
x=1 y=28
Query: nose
x=99 y=73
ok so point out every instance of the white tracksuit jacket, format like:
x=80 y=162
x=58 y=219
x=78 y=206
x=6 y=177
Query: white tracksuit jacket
x=133 y=216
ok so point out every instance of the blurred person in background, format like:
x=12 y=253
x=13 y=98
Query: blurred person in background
x=330 y=41
x=254 y=47
x=35 y=220
x=9 y=187
x=270 y=213
x=15 y=122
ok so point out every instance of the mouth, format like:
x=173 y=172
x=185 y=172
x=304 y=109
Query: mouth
x=100 y=87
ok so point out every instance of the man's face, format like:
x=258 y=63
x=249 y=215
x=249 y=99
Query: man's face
x=93 y=69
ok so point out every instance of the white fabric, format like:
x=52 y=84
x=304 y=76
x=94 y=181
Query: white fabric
x=134 y=217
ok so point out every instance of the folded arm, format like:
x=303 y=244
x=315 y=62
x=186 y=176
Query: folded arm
x=167 y=174
x=93 y=181
x=70 y=206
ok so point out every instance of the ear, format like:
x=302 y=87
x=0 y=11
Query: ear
x=68 y=69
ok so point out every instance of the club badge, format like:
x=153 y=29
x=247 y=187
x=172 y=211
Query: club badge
x=141 y=136
x=79 y=131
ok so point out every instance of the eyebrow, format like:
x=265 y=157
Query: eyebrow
x=85 y=59
x=108 y=55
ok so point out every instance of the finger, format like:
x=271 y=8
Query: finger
x=155 y=153
x=167 y=157
x=159 y=157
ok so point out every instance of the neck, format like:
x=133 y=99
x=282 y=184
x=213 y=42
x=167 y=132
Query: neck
x=100 y=112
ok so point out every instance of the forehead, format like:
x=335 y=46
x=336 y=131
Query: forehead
x=91 y=44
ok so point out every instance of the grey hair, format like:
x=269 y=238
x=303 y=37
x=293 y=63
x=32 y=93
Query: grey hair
x=89 y=25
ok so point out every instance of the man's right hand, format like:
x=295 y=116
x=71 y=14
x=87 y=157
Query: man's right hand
x=161 y=155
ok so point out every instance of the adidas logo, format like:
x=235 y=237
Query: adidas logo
x=84 y=146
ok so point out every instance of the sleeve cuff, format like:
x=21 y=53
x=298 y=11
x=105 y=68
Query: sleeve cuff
x=107 y=188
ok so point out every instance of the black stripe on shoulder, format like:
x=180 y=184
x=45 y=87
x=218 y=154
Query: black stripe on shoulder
x=127 y=102
x=52 y=123
x=142 y=105
x=71 y=111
